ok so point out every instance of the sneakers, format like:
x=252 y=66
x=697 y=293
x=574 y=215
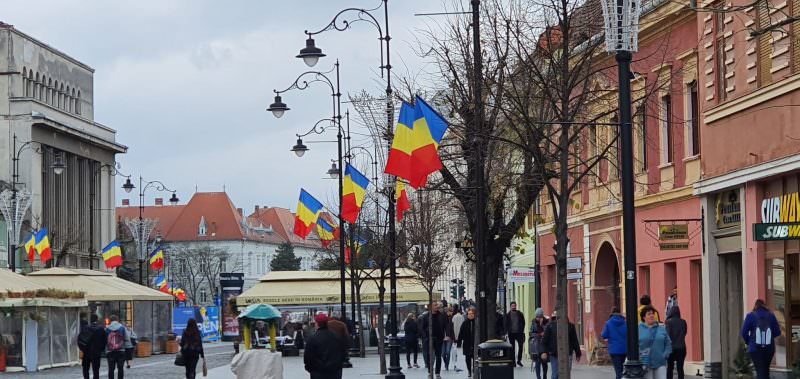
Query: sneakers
x=520 y=364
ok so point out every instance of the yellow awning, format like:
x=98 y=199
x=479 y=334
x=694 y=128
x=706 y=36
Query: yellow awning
x=13 y=283
x=323 y=287
x=98 y=286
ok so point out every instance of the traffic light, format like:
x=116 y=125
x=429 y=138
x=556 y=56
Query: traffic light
x=461 y=289
x=454 y=292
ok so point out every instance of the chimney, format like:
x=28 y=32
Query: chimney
x=256 y=208
x=159 y=201
x=126 y=202
x=241 y=212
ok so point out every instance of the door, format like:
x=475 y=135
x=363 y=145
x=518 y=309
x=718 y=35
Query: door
x=731 y=307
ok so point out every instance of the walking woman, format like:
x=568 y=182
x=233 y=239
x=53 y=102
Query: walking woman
x=654 y=344
x=192 y=348
x=466 y=338
x=536 y=347
x=616 y=333
x=676 y=328
x=759 y=332
x=412 y=339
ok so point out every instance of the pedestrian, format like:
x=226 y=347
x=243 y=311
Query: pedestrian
x=411 y=330
x=309 y=329
x=116 y=335
x=499 y=324
x=515 y=326
x=192 y=348
x=645 y=301
x=671 y=301
x=438 y=323
x=325 y=351
x=458 y=319
x=339 y=328
x=759 y=331
x=449 y=338
x=654 y=344
x=466 y=339
x=551 y=344
x=130 y=345
x=615 y=332
x=298 y=337
x=92 y=342
x=423 y=333
x=536 y=347
x=676 y=328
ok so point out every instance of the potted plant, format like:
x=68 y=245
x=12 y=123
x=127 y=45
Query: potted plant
x=144 y=348
x=742 y=367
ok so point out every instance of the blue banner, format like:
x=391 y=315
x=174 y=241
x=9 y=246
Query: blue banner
x=207 y=320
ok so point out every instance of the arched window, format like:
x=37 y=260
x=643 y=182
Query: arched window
x=71 y=100
x=37 y=88
x=61 y=103
x=24 y=82
x=49 y=95
x=30 y=83
x=78 y=103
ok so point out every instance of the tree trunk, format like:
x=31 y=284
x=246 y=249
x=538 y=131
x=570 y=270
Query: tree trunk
x=562 y=322
x=381 y=329
x=431 y=354
x=360 y=321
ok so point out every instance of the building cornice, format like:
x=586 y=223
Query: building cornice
x=752 y=99
x=749 y=174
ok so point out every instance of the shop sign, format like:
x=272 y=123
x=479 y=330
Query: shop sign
x=573 y=263
x=780 y=217
x=776 y=231
x=673 y=237
x=521 y=275
x=729 y=209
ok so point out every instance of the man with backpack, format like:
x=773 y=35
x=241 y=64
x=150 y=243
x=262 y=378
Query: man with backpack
x=759 y=332
x=117 y=336
x=91 y=342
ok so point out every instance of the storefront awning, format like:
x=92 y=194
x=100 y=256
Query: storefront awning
x=98 y=286
x=282 y=288
x=20 y=291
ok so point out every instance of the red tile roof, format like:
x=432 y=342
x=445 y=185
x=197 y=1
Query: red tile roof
x=166 y=215
x=282 y=221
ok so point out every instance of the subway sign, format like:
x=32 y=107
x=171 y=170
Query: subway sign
x=780 y=218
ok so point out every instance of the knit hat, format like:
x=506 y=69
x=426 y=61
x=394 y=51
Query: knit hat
x=539 y=313
x=321 y=319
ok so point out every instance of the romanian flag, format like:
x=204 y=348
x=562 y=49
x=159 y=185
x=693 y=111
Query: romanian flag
x=43 y=246
x=112 y=255
x=326 y=231
x=399 y=162
x=161 y=283
x=30 y=247
x=357 y=242
x=401 y=196
x=354 y=190
x=308 y=209
x=179 y=293
x=157 y=258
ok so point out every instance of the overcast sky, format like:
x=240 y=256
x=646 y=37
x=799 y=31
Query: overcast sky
x=186 y=82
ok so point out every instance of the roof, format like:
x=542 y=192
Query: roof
x=166 y=215
x=98 y=286
x=281 y=220
x=16 y=283
x=13 y=282
x=321 y=287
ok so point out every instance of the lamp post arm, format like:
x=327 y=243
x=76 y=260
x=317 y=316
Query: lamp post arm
x=302 y=84
x=316 y=130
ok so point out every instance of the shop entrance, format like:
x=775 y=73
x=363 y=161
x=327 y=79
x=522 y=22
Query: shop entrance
x=606 y=289
x=731 y=307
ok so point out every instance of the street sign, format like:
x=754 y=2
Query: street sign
x=521 y=275
x=574 y=275
x=573 y=263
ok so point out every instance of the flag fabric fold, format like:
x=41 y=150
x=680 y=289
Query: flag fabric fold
x=326 y=231
x=401 y=196
x=354 y=189
x=157 y=258
x=30 y=247
x=399 y=161
x=43 y=246
x=161 y=283
x=112 y=255
x=308 y=210
x=354 y=245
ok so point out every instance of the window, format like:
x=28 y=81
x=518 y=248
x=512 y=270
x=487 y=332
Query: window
x=641 y=114
x=694 y=120
x=202 y=229
x=666 y=129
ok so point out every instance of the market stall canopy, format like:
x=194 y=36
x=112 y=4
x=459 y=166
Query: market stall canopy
x=260 y=312
x=98 y=286
x=281 y=288
x=18 y=290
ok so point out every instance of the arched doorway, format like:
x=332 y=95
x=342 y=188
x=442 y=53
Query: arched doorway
x=606 y=289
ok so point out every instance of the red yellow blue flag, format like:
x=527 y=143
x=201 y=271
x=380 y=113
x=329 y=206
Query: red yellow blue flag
x=353 y=192
x=401 y=196
x=326 y=231
x=157 y=258
x=308 y=209
x=43 y=246
x=30 y=247
x=112 y=255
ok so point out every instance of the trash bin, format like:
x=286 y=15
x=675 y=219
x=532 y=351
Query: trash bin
x=495 y=360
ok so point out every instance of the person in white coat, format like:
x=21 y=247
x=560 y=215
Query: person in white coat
x=458 y=319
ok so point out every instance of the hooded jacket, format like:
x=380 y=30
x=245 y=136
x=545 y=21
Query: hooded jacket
x=676 y=328
x=751 y=323
x=114 y=326
x=325 y=352
x=655 y=340
x=550 y=338
x=616 y=332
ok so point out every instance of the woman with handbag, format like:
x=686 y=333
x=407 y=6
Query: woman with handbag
x=192 y=349
x=537 y=351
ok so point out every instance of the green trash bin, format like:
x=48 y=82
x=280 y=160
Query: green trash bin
x=495 y=360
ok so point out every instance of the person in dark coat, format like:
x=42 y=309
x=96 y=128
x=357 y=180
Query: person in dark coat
x=538 y=324
x=411 y=330
x=438 y=324
x=676 y=329
x=339 y=328
x=615 y=332
x=551 y=345
x=466 y=339
x=759 y=330
x=192 y=348
x=94 y=336
x=423 y=335
x=499 y=325
x=449 y=339
x=514 y=322
x=325 y=351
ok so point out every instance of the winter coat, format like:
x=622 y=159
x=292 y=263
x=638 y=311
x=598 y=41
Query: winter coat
x=536 y=332
x=676 y=328
x=655 y=340
x=616 y=332
x=466 y=337
x=458 y=319
x=500 y=325
x=411 y=330
x=550 y=339
x=192 y=348
x=97 y=342
x=423 y=331
x=751 y=323
x=671 y=302
x=339 y=329
x=514 y=322
x=116 y=326
x=129 y=338
x=449 y=332
x=438 y=324
x=324 y=354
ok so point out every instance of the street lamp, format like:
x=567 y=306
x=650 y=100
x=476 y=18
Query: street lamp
x=278 y=107
x=14 y=203
x=299 y=149
x=310 y=54
x=621 y=24
x=333 y=172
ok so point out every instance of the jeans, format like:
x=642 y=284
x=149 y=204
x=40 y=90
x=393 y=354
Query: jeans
x=116 y=360
x=618 y=360
x=656 y=373
x=437 y=352
x=519 y=338
x=94 y=363
x=675 y=360
x=412 y=347
x=554 y=366
x=425 y=352
x=540 y=367
x=762 y=358
x=447 y=346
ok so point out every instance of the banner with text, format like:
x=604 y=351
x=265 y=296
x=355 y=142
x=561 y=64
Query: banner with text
x=521 y=275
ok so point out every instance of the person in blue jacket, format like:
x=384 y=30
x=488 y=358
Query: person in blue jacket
x=654 y=344
x=615 y=332
x=759 y=331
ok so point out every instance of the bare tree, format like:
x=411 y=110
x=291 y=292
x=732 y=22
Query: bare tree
x=197 y=268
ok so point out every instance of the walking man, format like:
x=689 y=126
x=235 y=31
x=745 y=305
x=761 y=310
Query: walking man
x=92 y=342
x=551 y=344
x=324 y=352
x=515 y=325
x=116 y=337
x=438 y=322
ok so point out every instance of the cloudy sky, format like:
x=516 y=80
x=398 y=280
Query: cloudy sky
x=186 y=83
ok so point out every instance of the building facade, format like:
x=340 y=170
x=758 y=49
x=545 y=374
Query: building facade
x=48 y=106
